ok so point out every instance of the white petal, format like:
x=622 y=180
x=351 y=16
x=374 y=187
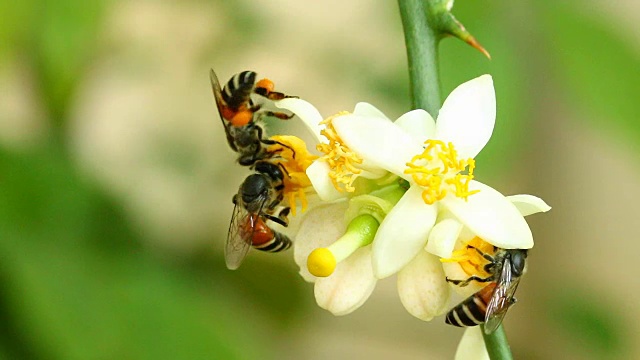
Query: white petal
x=309 y=115
x=349 y=286
x=403 y=233
x=422 y=287
x=529 y=204
x=468 y=115
x=318 y=174
x=366 y=109
x=492 y=217
x=320 y=228
x=443 y=237
x=472 y=346
x=378 y=141
x=419 y=124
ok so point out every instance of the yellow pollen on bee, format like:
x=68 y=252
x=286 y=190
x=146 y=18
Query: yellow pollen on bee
x=341 y=160
x=435 y=168
x=470 y=259
x=296 y=179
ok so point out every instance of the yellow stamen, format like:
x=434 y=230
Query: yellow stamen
x=470 y=259
x=321 y=262
x=342 y=161
x=297 y=179
x=435 y=168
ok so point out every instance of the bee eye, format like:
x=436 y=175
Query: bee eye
x=517 y=263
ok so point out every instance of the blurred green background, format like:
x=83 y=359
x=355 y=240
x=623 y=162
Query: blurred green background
x=116 y=181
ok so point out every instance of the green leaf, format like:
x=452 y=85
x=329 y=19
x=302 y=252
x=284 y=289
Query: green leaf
x=78 y=285
x=460 y=63
x=595 y=67
x=591 y=323
x=64 y=35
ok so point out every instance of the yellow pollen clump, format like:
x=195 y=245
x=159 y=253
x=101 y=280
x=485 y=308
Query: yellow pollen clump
x=438 y=166
x=296 y=179
x=470 y=259
x=321 y=262
x=342 y=161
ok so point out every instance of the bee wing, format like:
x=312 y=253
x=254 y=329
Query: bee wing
x=502 y=298
x=239 y=237
x=217 y=94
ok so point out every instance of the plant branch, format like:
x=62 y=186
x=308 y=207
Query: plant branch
x=497 y=344
x=421 y=39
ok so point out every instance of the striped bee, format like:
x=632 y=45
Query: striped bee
x=257 y=201
x=242 y=118
x=490 y=304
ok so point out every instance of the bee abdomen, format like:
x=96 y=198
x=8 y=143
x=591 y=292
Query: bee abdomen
x=238 y=90
x=470 y=312
x=279 y=242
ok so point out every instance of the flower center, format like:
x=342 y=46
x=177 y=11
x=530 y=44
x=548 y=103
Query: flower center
x=470 y=259
x=342 y=161
x=296 y=180
x=438 y=169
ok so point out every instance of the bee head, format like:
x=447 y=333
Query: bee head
x=518 y=261
x=254 y=186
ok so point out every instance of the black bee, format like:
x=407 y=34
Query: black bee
x=490 y=304
x=256 y=202
x=241 y=117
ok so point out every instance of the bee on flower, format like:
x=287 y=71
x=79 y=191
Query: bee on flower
x=398 y=195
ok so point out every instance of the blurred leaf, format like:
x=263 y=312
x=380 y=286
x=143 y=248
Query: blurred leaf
x=77 y=285
x=591 y=323
x=64 y=34
x=598 y=69
x=460 y=63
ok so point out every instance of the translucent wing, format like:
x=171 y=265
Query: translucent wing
x=239 y=237
x=217 y=94
x=501 y=299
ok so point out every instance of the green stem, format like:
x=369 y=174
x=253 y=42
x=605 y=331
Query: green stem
x=421 y=38
x=497 y=344
x=423 y=22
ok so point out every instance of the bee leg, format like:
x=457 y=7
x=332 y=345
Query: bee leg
x=274 y=95
x=284 y=170
x=463 y=283
x=277 y=220
x=235 y=199
x=284 y=213
x=279 y=115
x=486 y=256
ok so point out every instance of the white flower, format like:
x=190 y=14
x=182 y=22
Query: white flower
x=471 y=346
x=425 y=224
x=463 y=128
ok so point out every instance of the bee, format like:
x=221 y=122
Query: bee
x=490 y=304
x=257 y=201
x=241 y=117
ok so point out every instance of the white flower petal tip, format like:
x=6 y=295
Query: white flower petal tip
x=349 y=286
x=468 y=116
x=318 y=174
x=471 y=346
x=492 y=217
x=422 y=287
x=366 y=109
x=419 y=124
x=309 y=115
x=443 y=237
x=378 y=141
x=402 y=234
x=529 y=204
x=321 y=227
